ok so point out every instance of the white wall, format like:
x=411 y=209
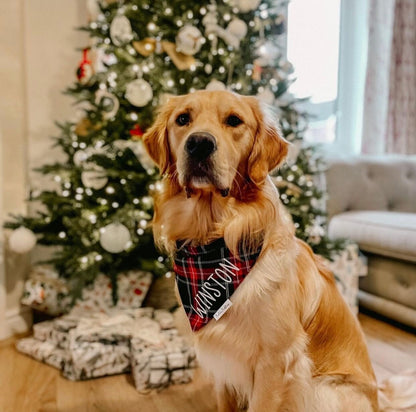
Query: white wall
x=37 y=61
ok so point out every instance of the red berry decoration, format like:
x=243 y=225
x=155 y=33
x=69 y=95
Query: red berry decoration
x=136 y=132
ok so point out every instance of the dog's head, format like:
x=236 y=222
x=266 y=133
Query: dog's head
x=209 y=140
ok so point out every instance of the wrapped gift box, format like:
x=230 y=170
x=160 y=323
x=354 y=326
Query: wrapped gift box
x=112 y=328
x=159 y=359
x=164 y=319
x=100 y=345
x=62 y=326
x=348 y=266
x=132 y=288
x=46 y=292
x=43 y=351
x=43 y=330
x=95 y=359
x=96 y=344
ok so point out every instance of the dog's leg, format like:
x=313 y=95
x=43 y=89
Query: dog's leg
x=268 y=390
x=226 y=400
x=338 y=393
x=283 y=384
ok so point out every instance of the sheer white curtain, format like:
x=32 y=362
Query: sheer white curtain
x=389 y=122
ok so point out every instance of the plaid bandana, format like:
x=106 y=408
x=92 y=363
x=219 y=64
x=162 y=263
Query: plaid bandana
x=207 y=276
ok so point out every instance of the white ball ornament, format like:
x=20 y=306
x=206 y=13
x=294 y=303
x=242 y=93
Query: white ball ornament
x=120 y=30
x=215 y=85
x=115 y=238
x=139 y=92
x=237 y=28
x=95 y=178
x=22 y=240
x=244 y=6
x=80 y=156
x=189 y=40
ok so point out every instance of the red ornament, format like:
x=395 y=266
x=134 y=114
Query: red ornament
x=85 y=70
x=138 y=291
x=136 y=132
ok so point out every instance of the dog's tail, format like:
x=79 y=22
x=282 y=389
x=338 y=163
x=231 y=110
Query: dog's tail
x=398 y=393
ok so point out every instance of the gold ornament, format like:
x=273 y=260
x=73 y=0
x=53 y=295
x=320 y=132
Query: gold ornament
x=149 y=46
x=84 y=127
x=145 y=47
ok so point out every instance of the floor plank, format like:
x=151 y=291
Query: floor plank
x=29 y=386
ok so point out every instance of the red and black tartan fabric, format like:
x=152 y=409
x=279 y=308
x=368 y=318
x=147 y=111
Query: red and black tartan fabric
x=207 y=276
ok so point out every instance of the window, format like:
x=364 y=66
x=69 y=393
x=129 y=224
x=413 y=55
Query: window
x=313 y=48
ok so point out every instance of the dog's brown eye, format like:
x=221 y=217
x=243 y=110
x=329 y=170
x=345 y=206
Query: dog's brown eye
x=233 y=120
x=183 y=119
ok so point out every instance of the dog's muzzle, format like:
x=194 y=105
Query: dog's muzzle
x=200 y=145
x=199 y=148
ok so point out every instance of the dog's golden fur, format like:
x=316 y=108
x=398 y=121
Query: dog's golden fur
x=289 y=342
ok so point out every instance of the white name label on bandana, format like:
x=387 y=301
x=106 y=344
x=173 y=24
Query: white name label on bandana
x=225 y=306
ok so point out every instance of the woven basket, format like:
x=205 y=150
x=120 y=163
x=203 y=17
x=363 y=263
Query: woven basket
x=161 y=294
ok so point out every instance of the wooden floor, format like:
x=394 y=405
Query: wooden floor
x=30 y=386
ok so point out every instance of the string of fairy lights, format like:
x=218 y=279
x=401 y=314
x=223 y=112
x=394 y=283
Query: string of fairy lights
x=142 y=53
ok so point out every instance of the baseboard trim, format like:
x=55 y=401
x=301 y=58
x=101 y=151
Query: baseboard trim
x=17 y=321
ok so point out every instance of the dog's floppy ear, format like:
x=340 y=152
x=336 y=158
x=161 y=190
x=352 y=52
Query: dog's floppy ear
x=269 y=148
x=156 y=141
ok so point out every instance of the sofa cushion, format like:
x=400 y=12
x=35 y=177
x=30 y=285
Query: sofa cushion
x=391 y=279
x=385 y=182
x=391 y=234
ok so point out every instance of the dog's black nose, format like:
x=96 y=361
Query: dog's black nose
x=200 y=145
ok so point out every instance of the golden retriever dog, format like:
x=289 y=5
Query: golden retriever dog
x=288 y=342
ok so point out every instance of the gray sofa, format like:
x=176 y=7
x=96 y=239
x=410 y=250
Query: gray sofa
x=372 y=200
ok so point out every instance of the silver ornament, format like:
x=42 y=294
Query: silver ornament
x=22 y=240
x=139 y=92
x=237 y=28
x=108 y=103
x=95 y=178
x=115 y=238
x=120 y=30
x=80 y=156
x=244 y=6
x=215 y=85
x=189 y=40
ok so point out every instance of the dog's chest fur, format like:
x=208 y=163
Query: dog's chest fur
x=228 y=348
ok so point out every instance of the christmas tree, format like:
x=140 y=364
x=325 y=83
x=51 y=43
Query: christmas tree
x=142 y=52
